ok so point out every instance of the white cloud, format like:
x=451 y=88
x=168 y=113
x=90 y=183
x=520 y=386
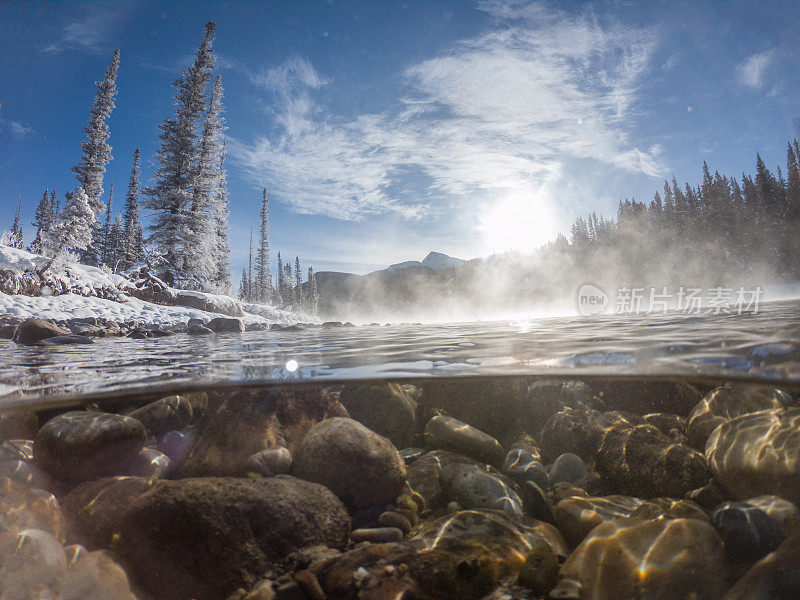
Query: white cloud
x=17 y=129
x=498 y=113
x=750 y=72
x=90 y=30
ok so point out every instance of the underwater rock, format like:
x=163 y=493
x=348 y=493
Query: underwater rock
x=424 y=476
x=225 y=325
x=409 y=455
x=93 y=509
x=575 y=517
x=376 y=535
x=671 y=425
x=17 y=424
x=535 y=504
x=395 y=519
x=539 y=573
x=270 y=462
x=757 y=454
x=493 y=407
x=32 y=563
x=242 y=423
x=746 y=530
x=447 y=433
x=33 y=331
x=93 y=576
x=629 y=559
x=727 y=402
x=568 y=430
x=361 y=467
x=25 y=473
x=81 y=445
x=387 y=409
x=458 y=557
x=709 y=496
x=24 y=508
x=784 y=513
x=473 y=487
x=569 y=467
x=669 y=508
x=176 y=445
x=149 y=463
x=643 y=397
x=545 y=397
x=204 y=538
x=775 y=576
x=167 y=414
x=641 y=461
x=522 y=465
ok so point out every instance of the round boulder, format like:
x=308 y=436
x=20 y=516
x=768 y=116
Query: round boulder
x=361 y=467
x=81 y=445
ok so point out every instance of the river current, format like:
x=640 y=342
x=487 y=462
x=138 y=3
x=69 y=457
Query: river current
x=761 y=345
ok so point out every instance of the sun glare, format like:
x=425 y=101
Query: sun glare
x=519 y=221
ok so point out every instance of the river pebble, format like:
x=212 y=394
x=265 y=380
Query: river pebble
x=446 y=433
x=167 y=414
x=270 y=462
x=473 y=487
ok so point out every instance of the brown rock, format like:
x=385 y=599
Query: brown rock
x=361 y=467
x=204 y=538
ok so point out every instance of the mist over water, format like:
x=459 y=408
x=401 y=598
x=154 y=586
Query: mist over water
x=759 y=345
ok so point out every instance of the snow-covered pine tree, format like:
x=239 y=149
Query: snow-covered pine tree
x=96 y=153
x=15 y=239
x=72 y=231
x=221 y=282
x=116 y=245
x=171 y=197
x=56 y=204
x=289 y=297
x=104 y=243
x=299 y=297
x=250 y=290
x=243 y=285
x=264 y=277
x=200 y=251
x=132 y=241
x=43 y=222
x=280 y=292
x=313 y=292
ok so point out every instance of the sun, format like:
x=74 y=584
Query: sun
x=521 y=221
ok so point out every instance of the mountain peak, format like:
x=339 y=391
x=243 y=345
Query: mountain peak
x=438 y=260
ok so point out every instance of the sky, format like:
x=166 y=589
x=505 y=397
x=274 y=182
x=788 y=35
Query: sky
x=385 y=130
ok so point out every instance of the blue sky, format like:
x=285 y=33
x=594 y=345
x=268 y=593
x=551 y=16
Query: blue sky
x=384 y=130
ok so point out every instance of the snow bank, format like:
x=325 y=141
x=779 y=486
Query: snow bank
x=76 y=278
x=73 y=306
x=96 y=292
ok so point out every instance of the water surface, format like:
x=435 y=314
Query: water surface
x=764 y=345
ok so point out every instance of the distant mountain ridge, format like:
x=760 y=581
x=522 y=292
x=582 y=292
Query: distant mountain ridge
x=435 y=260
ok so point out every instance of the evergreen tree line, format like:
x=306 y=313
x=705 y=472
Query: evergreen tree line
x=288 y=289
x=187 y=243
x=728 y=225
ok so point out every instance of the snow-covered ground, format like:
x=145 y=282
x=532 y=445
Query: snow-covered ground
x=85 y=282
x=73 y=306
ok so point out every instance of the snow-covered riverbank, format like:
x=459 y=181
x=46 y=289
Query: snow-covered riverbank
x=78 y=291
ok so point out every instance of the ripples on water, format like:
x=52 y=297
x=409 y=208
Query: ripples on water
x=763 y=345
